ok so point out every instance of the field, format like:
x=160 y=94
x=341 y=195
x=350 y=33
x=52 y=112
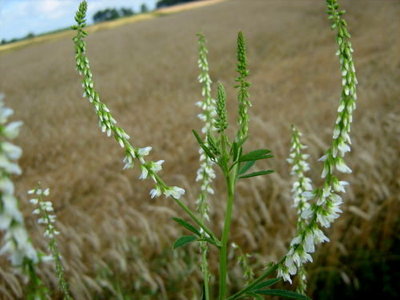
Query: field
x=115 y=240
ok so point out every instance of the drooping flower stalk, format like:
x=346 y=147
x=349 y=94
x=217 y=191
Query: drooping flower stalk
x=328 y=201
x=46 y=217
x=107 y=123
x=205 y=174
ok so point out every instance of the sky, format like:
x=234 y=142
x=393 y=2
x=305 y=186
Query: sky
x=21 y=17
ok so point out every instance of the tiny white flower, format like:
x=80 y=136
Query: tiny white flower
x=343 y=148
x=296 y=241
x=128 y=162
x=5 y=221
x=145 y=172
x=4 y=114
x=336 y=132
x=11 y=151
x=9 y=167
x=309 y=243
x=46 y=192
x=11 y=130
x=144 y=151
x=6 y=186
x=42 y=221
x=156 y=166
x=341 y=166
x=121 y=142
x=175 y=192
x=155 y=192
x=284 y=274
x=34 y=201
x=202 y=117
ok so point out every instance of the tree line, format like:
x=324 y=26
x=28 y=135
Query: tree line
x=109 y=14
x=165 y=3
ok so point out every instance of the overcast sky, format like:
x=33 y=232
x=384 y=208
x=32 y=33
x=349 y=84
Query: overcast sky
x=20 y=17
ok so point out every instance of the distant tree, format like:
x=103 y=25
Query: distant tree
x=106 y=15
x=126 y=12
x=30 y=35
x=164 y=3
x=3 y=41
x=143 y=8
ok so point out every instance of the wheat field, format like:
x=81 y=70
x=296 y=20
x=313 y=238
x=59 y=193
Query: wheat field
x=115 y=240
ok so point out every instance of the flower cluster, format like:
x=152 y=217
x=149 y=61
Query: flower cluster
x=328 y=201
x=44 y=209
x=302 y=183
x=45 y=212
x=106 y=121
x=301 y=186
x=16 y=240
x=208 y=103
x=205 y=174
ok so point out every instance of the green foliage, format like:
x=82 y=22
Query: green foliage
x=242 y=86
x=143 y=8
x=281 y=293
x=164 y=3
x=221 y=122
x=184 y=240
x=188 y=226
x=109 y=14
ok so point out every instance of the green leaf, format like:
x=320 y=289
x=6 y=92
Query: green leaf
x=256 y=155
x=183 y=240
x=246 y=167
x=259 y=173
x=204 y=147
x=187 y=225
x=212 y=143
x=266 y=283
x=282 y=293
x=235 y=150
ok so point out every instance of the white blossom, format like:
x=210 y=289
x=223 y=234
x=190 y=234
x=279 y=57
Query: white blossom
x=144 y=151
x=156 y=192
x=144 y=173
x=11 y=131
x=175 y=192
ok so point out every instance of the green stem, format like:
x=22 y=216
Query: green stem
x=205 y=270
x=223 y=254
x=197 y=220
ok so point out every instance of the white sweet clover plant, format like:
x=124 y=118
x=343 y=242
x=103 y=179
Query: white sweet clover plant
x=317 y=208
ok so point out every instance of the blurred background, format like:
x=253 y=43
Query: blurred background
x=116 y=242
